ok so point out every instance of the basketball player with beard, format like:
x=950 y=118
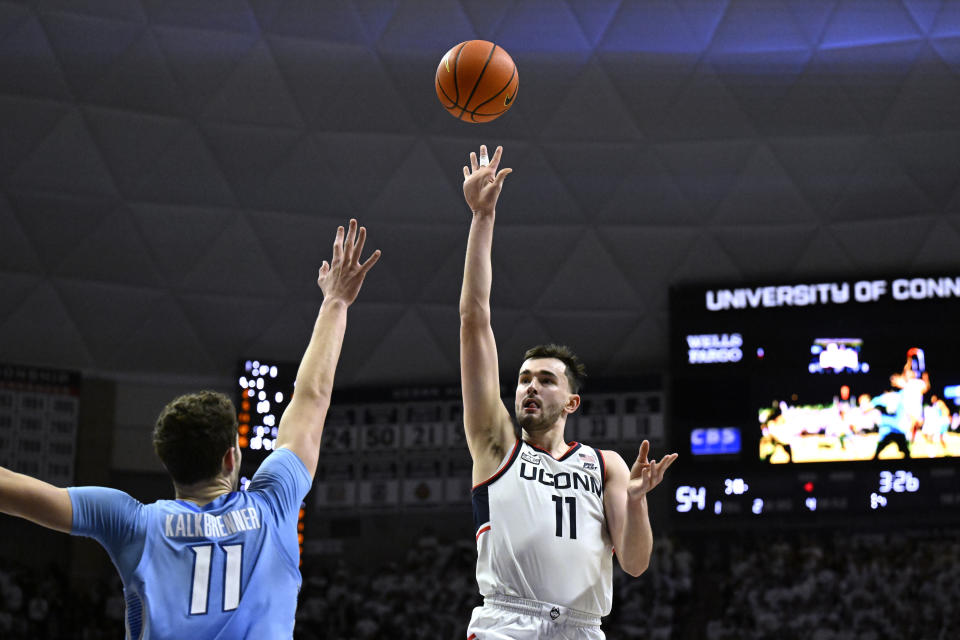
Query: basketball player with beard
x=548 y=514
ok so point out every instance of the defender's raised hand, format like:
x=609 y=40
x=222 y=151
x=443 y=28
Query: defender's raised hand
x=482 y=182
x=342 y=276
x=647 y=474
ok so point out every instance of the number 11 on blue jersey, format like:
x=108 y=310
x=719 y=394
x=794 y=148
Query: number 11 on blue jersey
x=201 y=577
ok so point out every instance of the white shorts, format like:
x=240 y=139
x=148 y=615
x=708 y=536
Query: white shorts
x=508 y=618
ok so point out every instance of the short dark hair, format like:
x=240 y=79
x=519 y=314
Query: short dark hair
x=575 y=370
x=192 y=434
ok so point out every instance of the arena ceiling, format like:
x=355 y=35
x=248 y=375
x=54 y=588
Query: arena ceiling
x=172 y=171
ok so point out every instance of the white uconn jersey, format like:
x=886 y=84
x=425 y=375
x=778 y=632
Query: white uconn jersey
x=541 y=530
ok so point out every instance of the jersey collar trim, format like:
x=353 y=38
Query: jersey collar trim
x=213 y=504
x=573 y=447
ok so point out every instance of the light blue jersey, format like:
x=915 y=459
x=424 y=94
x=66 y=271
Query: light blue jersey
x=891 y=413
x=226 y=570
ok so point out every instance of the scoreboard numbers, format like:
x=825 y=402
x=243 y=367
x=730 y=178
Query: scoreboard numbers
x=389 y=449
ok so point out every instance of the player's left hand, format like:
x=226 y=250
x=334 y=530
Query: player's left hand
x=646 y=474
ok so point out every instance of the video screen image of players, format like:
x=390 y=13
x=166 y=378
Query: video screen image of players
x=908 y=412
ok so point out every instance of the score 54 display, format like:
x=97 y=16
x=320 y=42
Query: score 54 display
x=836 y=395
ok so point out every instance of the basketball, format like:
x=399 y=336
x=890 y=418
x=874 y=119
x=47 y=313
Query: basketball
x=477 y=81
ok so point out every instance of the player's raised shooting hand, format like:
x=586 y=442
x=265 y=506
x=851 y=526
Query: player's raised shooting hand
x=647 y=474
x=482 y=182
x=341 y=278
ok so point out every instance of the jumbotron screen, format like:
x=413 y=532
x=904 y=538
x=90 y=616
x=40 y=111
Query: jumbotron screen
x=801 y=400
x=838 y=370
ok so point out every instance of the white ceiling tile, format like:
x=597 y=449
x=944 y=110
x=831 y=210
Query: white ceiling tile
x=255 y=93
x=891 y=192
x=139 y=80
x=202 y=60
x=55 y=224
x=227 y=15
x=177 y=238
x=648 y=255
x=925 y=100
x=187 y=173
x=415 y=189
x=593 y=111
x=130 y=143
x=86 y=46
x=764 y=251
x=383 y=364
x=407 y=28
x=17 y=288
x=35 y=120
x=42 y=313
x=112 y=252
x=575 y=281
x=592 y=171
x=227 y=324
x=705 y=172
x=105 y=9
x=235 y=263
x=95 y=305
x=878 y=244
x=338 y=22
x=824 y=256
x=821 y=167
x=889 y=20
x=167 y=343
x=16 y=249
x=938 y=251
x=595 y=17
x=763 y=194
x=30 y=67
x=67 y=161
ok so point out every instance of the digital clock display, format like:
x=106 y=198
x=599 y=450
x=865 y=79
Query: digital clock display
x=800 y=494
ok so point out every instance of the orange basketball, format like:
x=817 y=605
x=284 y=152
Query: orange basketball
x=477 y=81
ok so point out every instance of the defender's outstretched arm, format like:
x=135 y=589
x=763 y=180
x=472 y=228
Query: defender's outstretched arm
x=35 y=500
x=301 y=426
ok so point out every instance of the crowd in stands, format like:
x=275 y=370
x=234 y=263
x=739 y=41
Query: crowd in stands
x=825 y=586
x=846 y=586
x=36 y=605
x=429 y=593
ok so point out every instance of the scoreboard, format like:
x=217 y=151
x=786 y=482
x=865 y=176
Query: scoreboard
x=908 y=491
x=39 y=417
x=805 y=401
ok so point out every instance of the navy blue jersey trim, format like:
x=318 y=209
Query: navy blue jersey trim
x=569 y=453
x=573 y=447
x=603 y=467
x=193 y=575
x=226 y=563
x=480 y=498
x=134 y=616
